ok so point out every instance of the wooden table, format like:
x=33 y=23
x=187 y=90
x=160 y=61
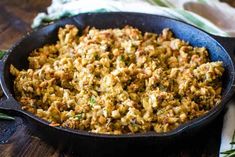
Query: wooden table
x=15 y=137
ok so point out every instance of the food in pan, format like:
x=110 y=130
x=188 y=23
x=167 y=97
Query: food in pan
x=118 y=81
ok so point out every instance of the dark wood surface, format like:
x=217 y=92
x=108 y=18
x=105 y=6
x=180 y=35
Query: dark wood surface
x=16 y=139
x=230 y=2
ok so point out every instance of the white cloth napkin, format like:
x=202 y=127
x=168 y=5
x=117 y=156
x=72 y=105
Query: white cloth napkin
x=228 y=127
x=211 y=15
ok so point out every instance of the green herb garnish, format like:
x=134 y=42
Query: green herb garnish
x=127 y=63
x=1 y=54
x=122 y=58
x=162 y=88
x=129 y=82
x=2 y=115
x=230 y=152
x=6 y=117
x=79 y=116
x=92 y=101
x=47 y=20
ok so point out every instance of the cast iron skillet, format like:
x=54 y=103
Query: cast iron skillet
x=219 y=48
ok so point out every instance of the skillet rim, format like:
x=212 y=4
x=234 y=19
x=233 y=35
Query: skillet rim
x=202 y=120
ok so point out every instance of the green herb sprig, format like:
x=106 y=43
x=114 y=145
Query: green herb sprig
x=230 y=152
x=92 y=101
x=6 y=117
x=2 y=115
x=1 y=54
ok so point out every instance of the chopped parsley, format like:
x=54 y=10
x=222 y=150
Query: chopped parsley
x=1 y=54
x=162 y=88
x=79 y=116
x=92 y=101
x=122 y=58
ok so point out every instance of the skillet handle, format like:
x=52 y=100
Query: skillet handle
x=6 y=103
x=228 y=43
x=9 y=105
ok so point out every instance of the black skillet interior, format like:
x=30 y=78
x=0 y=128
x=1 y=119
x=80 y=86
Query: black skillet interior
x=145 y=22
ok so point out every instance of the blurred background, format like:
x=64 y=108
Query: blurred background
x=16 y=17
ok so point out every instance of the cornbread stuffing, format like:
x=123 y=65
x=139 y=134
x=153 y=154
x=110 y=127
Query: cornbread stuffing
x=118 y=81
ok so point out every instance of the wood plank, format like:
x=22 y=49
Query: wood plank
x=16 y=18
